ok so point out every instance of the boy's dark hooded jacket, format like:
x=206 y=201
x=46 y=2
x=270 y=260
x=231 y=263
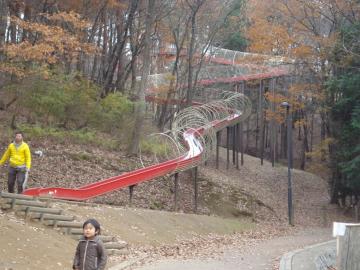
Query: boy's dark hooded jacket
x=90 y=255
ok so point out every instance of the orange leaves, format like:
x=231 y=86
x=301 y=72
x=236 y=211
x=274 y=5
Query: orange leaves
x=11 y=69
x=69 y=17
x=279 y=114
x=122 y=5
x=303 y=51
x=165 y=31
x=267 y=37
x=28 y=52
x=294 y=28
x=38 y=27
x=276 y=98
x=299 y=95
x=307 y=91
x=48 y=43
x=320 y=154
x=300 y=123
x=267 y=32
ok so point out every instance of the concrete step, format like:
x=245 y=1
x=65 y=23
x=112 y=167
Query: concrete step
x=38 y=210
x=115 y=245
x=70 y=224
x=16 y=196
x=44 y=216
x=117 y=252
x=107 y=238
x=32 y=208
x=102 y=237
x=13 y=202
x=76 y=236
x=80 y=231
x=75 y=231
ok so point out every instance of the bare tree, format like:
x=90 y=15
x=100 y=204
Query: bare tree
x=194 y=7
x=178 y=22
x=140 y=104
x=119 y=46
x=192 y=34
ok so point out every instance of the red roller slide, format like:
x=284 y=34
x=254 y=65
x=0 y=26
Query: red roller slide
x=195 y=150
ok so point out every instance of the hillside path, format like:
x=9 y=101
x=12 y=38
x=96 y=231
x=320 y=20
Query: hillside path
x=264 y=256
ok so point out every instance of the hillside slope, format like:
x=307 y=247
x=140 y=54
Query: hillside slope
x=269 y=186
x=256 y=191
x=240 y=197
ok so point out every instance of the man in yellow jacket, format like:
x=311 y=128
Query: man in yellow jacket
x=19 y=156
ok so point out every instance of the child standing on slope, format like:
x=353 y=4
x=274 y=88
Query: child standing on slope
x=90 y=252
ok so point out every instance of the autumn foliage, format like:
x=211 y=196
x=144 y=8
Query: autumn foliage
x=59 y=40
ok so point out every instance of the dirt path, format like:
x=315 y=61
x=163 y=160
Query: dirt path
x=263 y=256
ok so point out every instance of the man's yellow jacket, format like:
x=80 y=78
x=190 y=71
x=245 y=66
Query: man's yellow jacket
x=19 y=156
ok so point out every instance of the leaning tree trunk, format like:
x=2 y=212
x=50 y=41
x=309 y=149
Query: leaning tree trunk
x=140 y=104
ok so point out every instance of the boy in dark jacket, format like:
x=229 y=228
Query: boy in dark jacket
x=90 y=252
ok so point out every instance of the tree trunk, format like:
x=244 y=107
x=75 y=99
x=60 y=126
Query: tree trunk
x=3 y=21
x=306 y=133
x=111 y=34
x=312 y=133
x=136 y=42
x=194 y=10
x=105 y=39
x=247 y=135
x=96 y=56
x=118 y=49
x=190 y=91
x=134 y=47
x=140 y=104
x=323 y=133
x=14 y=11
x=172 y=88
x=261 y=121
x=27 y=17
x=303 y=155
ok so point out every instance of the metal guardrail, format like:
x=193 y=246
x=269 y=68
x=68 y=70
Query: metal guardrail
x=326 y=261
x=315 y=253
